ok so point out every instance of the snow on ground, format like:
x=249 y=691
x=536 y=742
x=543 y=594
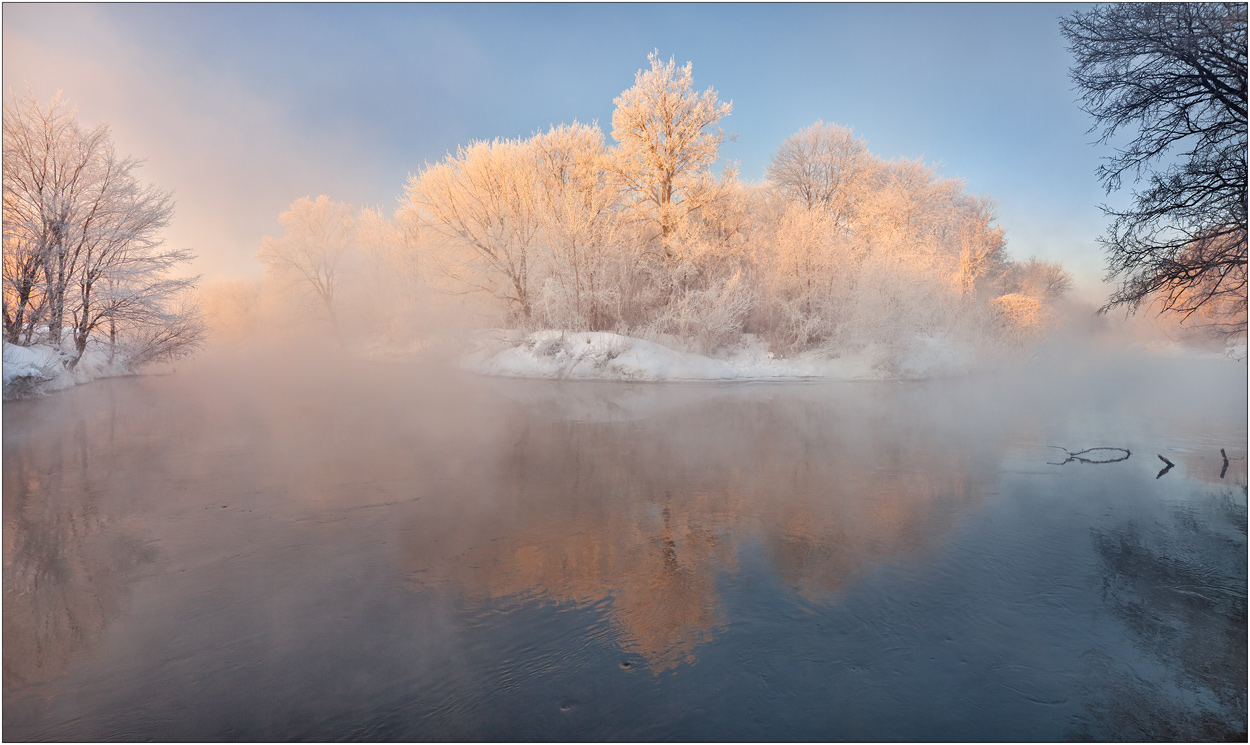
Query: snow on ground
x=568 y=355
x=603 y=356
x=40 y=368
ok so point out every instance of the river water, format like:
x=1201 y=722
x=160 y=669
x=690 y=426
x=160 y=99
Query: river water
x=396 y=552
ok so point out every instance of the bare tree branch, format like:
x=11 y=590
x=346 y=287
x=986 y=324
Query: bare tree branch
x=1175 y=75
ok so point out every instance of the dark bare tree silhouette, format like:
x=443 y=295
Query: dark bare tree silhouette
x=1175 y=73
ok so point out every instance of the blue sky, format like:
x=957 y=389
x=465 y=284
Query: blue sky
x=243 y=108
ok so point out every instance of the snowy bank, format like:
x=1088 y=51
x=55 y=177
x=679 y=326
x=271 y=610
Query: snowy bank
x=40 y=368
x=581 y=355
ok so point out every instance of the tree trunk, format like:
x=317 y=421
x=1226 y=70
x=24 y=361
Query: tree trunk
x=13 y=327
x=56 y=307
x=80 y=346
x=82 y=328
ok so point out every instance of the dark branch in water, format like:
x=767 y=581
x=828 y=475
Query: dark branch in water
x=1166 y=468
x=1078 y=455
x=1224 y=470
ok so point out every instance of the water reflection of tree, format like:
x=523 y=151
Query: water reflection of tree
x=1180 y=590
x=660 y=573
x=67 y=562
x=638 y=516
x=882 y=496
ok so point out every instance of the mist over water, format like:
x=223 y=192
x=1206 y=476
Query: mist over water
x=300 y=548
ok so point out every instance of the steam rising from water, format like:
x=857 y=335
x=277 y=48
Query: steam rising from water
x=319 y=540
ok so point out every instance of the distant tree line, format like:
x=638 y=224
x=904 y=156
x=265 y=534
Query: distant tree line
x=84 y=260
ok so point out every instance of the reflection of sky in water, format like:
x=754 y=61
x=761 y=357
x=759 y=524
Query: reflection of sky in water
x=478 y=559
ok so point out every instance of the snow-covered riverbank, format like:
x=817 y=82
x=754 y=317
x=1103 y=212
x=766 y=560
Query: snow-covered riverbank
x=40 y=368
x=568 y=355
x=605 y=356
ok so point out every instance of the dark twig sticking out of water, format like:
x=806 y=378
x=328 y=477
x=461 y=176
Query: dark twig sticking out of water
x=1096 y=455
x=1224 y=470
x=1166 y=468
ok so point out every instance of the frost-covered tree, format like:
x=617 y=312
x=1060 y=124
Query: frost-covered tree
x=910 y=205
x=667 y=141
x=839 y=251
x=317 y=238
x=391 y=244
x=482 y=202
x=863 y=252
x=824 y=167
x=388 y=292
x=1035 y=278
x=82 y=241
x=1018 y=318
x=167 y=330
x=587 y=276
x=982 y=246
x=1029 y=291
x=808 y=277
x=50 y=167
x=121 y=269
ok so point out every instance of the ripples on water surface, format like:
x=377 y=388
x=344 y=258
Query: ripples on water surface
x=401 y=554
